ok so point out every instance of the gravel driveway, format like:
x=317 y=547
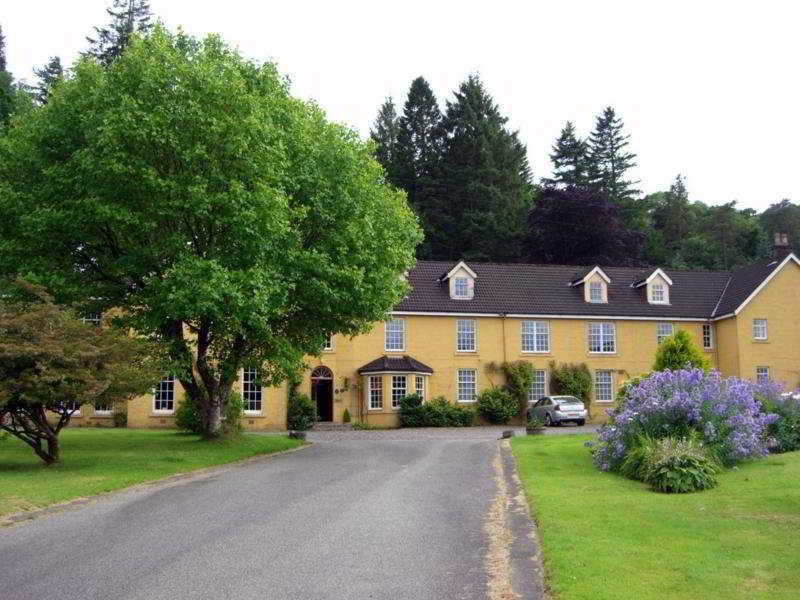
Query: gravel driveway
x=372 y=514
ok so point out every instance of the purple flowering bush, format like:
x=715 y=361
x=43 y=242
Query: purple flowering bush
x=725 y=412
x=784 y=433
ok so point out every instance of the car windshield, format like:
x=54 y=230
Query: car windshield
x=567 y=400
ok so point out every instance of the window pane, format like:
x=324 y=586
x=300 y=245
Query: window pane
x=398 y=389
x=603 y=386
x=461 y=287
x=535 y=336
x=465 y=335
x=164 y=395
x=466 y=385
x=537 y=389
x=395 y=338
x=760 y=329
x=375 y=393
x=596 y=291
x=707 y=339
x=251 y=390
x=762 y=374
x=663 y=331
x=420 y=386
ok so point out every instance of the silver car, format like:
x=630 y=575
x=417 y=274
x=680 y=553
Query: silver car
x=554 y=410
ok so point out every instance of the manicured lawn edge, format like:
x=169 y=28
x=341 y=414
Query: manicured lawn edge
x=41 y=476
x=604 y=536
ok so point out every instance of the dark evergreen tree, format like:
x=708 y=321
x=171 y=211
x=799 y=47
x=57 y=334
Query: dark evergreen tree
x=418 y=145
x=48 y=76
x=384 y=134
x=579 y=226
x=570 y=159
x=609 y=161
x=6 y=85
x=127 y=17
x=671 y=218
x=783 y=217
x=483 y=183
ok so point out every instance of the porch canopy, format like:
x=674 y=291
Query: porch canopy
x=395 y=364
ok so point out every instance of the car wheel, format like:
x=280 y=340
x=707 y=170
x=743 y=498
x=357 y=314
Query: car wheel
x=547 y=420
x=581 y=423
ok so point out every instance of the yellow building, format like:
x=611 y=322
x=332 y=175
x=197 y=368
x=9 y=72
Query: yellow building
x=460 y=318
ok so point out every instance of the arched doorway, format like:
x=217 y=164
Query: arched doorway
x=322 y=392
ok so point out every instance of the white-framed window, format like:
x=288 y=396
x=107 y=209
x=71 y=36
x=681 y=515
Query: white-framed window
x=328 y=343
x=93 y=319
x=395 y=335
x=375 y=392
x=538 y=385
x=596 y=291
x=602 y=338
x=419 y=383
x=467 y=385
x=535 y=336
x=708 y=336
x=164 y=395
x=399 y=387
x=74 y=407
x=251 y=391
x=762 y=374
x=759 y=329
x=102 y=408
x=465 y=335
x=663 y=331
x=461 y=287
x=603 y=386
x=658 y=294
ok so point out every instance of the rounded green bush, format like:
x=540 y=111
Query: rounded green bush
x=676 y=465
x=301 y=413
x=497 y=405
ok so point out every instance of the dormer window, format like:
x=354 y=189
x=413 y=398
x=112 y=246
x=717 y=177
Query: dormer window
x=657 y=285
x=461 y=287
x=596 y=291
x=461 y=281
x=657 y=295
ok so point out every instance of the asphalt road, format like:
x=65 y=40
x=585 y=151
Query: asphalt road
x=343 y=519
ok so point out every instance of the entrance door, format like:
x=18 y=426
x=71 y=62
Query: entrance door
x=322 y=392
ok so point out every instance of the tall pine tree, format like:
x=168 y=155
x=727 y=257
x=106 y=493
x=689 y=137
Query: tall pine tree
x=609 y=161
x=127 y=17
x=48 y=75
x=569 y=158
x=484 y=188
x=384 y=134
x=418 y=145
x=6 y=85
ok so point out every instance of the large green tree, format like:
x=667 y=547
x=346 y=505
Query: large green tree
x=783 y=217
x=6 y=85
x=609 y=163
x=483 y=182
x=48 y=75
x=51 y=363
x=127 y=18
x=570 y=159
x=186 y=186
x=384 y=134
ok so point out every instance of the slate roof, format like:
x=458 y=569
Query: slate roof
x=532 y=289
x=403 y=364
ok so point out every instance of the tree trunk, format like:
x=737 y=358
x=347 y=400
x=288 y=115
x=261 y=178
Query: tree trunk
x=213 y=417
x=53 y=450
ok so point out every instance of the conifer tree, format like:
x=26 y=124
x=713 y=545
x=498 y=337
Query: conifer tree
x=484 y=188
x=569 y=158
x=48 y=76
x=384 y=134
x=6 y=85
x=127 y=17
x=609 y=160
x=418 y=144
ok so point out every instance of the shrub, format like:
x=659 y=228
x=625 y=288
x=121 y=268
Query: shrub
x=436 y=413
x=301 y=413
x=120 y=419
x=361 y=425
x=572 y=380
x=346 y=416
x=724 y=412
x=234 y=410
x=678 y=352
x=784 y=432
x=497 y=405
x=678 y=465
x=187 y=418
x=519 y=377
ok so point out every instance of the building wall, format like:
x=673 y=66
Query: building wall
x=726 y=343
x=777 y=302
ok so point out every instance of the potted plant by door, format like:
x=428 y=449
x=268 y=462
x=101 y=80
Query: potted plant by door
x=534 y=427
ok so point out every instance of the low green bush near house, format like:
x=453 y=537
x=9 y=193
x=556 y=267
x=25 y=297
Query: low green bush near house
x=301 y=413
x=436 y=413
x=188 y=419
x=678 y=352
x=120 y=419
x=346 y=418
x=497 y=405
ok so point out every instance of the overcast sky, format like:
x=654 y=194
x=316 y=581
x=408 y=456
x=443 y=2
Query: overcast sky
x=708 y=89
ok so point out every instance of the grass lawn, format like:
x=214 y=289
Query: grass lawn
x=604 y=536
x=100 y=460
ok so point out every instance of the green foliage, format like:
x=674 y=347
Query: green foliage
x=364 y=426
x=232 y=415
x=497 y=405
x=141 y=218
x=439 y=412
x=301 y=413
x=678 y=352
x=6 y=86
x=535 y=424
x=570 y=159
x=120 y=419
x=609 y=160
x=384 y=134
x=127 y=18
x=346 y=418
x=519 y=377
x=49 y=75
x=189 y=419
x=786 y=430
x=572 y=380
x=672 y=464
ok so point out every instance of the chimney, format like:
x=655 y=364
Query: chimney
x=780 y=243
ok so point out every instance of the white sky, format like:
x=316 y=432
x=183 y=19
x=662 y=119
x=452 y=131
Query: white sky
x=708 y=89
